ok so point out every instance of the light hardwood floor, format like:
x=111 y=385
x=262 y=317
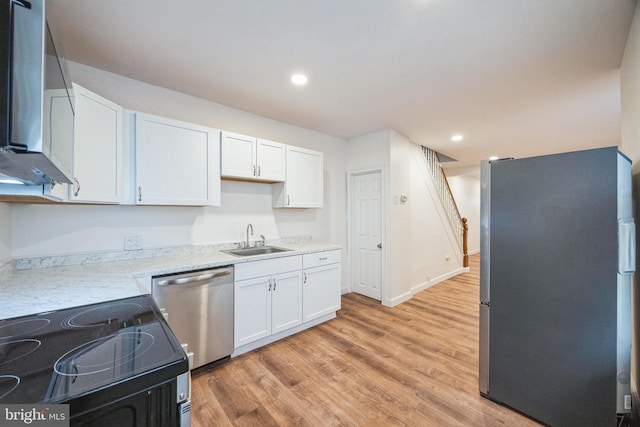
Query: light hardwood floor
x=415 y=364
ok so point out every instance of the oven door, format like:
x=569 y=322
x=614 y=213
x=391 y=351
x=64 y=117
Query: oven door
x=155 y=406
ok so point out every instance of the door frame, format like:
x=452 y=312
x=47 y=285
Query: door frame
x=384 y=206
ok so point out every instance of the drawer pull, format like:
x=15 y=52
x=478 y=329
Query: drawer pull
x=322 y=259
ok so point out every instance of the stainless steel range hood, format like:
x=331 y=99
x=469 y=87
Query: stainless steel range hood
x=38 y=147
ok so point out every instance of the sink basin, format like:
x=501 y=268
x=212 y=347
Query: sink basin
x=262 y=250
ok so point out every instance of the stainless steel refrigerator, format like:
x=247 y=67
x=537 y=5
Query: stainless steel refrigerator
x=557 y=257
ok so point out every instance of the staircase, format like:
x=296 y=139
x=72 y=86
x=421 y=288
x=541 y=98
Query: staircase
x=458 y=224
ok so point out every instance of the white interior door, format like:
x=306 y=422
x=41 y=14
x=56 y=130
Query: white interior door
x=366 y=216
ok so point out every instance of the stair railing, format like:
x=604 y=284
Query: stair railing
x=458 y=223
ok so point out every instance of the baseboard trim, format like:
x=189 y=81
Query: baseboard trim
x=397 y=300
x=421 y=287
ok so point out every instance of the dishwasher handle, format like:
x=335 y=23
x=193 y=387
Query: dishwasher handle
x=191 y=279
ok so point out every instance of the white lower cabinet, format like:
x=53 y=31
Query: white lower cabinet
x=252 y=310
x=278 y=297
x=286 y=301
x=321 y=286
x=270 y=303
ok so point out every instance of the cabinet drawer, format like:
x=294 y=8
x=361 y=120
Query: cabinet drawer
x=267 y=267
x=317 y=259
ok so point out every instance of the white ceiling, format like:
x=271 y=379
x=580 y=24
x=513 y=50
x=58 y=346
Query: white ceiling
x=516 y=77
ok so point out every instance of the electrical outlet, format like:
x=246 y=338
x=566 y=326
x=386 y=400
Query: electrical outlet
x=132 y=243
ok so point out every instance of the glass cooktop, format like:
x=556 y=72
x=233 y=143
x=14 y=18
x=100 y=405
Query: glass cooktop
x=56 y=356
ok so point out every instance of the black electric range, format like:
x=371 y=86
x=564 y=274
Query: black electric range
x=88 y=356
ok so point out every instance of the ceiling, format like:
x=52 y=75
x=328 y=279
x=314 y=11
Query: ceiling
x=516 y=78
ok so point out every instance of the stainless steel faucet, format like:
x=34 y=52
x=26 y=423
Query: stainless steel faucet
x=249 y=227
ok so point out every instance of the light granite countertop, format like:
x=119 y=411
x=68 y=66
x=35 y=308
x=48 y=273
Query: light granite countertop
x=31 y=290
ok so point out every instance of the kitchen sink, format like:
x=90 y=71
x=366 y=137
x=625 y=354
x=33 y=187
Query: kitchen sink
x=262 y=250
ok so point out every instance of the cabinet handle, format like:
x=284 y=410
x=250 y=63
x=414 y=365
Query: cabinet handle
x=139 y=194
x=288 y=200
x=258 y=170
x=269 y=285
x=254 y=170
x=75 y=193
x=274 y=284
x=322 y=258
x=191 y=279
x=305 y=277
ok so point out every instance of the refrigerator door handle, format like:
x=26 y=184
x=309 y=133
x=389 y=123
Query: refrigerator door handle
x=485 y=229
x=626 y=246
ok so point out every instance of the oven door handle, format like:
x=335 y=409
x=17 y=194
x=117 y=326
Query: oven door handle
x=191 y=279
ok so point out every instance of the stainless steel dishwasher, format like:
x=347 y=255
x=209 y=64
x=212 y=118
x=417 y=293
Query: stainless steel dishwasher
x=199 y=308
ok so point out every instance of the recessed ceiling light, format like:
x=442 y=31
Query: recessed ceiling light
x=493 y=158
x=457 y=138
x=299 y=79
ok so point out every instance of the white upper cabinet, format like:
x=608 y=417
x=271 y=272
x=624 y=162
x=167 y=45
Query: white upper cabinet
x=249 y=158
x=303 y=187
x=271 y=161
x=176 y=163
x=58 y=125
x=238 y=155
x=97 y=149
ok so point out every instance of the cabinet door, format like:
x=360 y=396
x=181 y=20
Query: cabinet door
x=57 y=132
x=252 y=310
x=271 y=161
x=238 y=156
x=97 y=151
x=320 y=291
x=176 y=163
x=57 y=128
x=303 y=187
x=286 y=301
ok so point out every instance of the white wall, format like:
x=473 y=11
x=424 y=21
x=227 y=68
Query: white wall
x=435 y=254
x=630 y=99
x=466 y=192
x=40 y=230
x=630 y=94
x=5 y=233
x=401 y=225
x=368 y=150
